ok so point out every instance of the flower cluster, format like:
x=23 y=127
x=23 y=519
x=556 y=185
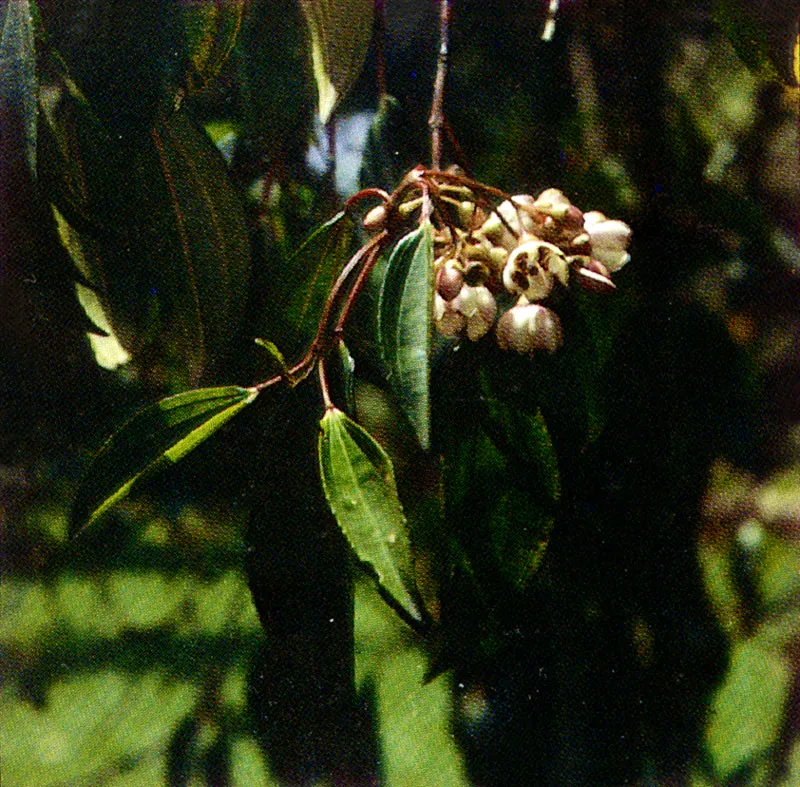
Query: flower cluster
x=513 y=257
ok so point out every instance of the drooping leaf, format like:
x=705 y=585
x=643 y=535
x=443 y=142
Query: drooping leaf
x=301 y=286
x=509 y=506
x=405 y=311
x=358 y=480
x=211 y=28
x=340 y=32
x=18 y=81
x=155 y=437
x=520 y=530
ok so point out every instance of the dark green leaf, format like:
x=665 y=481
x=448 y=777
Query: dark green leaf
x=155 y=437
x=340 y=32
x=525 y=440
x=164 y=238
x=19 y=87
x=211 y=28
x=520 y=530
x=301 y=286
x=404 y=325
x=359 y=484
x=275 y=354
x=379 y=165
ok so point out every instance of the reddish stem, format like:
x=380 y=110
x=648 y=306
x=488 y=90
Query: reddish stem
x=436 y=120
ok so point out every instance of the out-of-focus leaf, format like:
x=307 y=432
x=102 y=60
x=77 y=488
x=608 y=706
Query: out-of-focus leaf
x=211 y=28
x=359 y=484
x=301 y=285
x=127 y=59
x=340 y=32
x=155 y=437
x=764 y=34
x=379 y=165
x=525 y=440
x=405 y=311
x=18 y=82
x=520 y=530
x=745 y=715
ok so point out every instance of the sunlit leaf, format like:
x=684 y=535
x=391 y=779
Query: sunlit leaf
x=404 y=323
x=746 y=713
x=275 y=354
x=348 y=375
x=340 y=32
x=414 y=713
x=155 y=437
x=359 y=484
x=18 y=82
x=211 y=28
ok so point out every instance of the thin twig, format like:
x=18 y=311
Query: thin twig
x=436 y=120
x=380 y=47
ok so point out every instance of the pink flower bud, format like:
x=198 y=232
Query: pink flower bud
x=449 y=280
x=528 y=327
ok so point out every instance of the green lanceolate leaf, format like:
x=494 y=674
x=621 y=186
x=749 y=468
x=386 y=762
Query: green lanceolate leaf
x=340 y=32
x=18 y=83
x=405 y=311
x=155 y=437
x=359 y=484
x=211 y=28
x=301 y=287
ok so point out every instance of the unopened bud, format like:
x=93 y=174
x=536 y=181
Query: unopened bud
x=375 y=219
x=449 y=280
